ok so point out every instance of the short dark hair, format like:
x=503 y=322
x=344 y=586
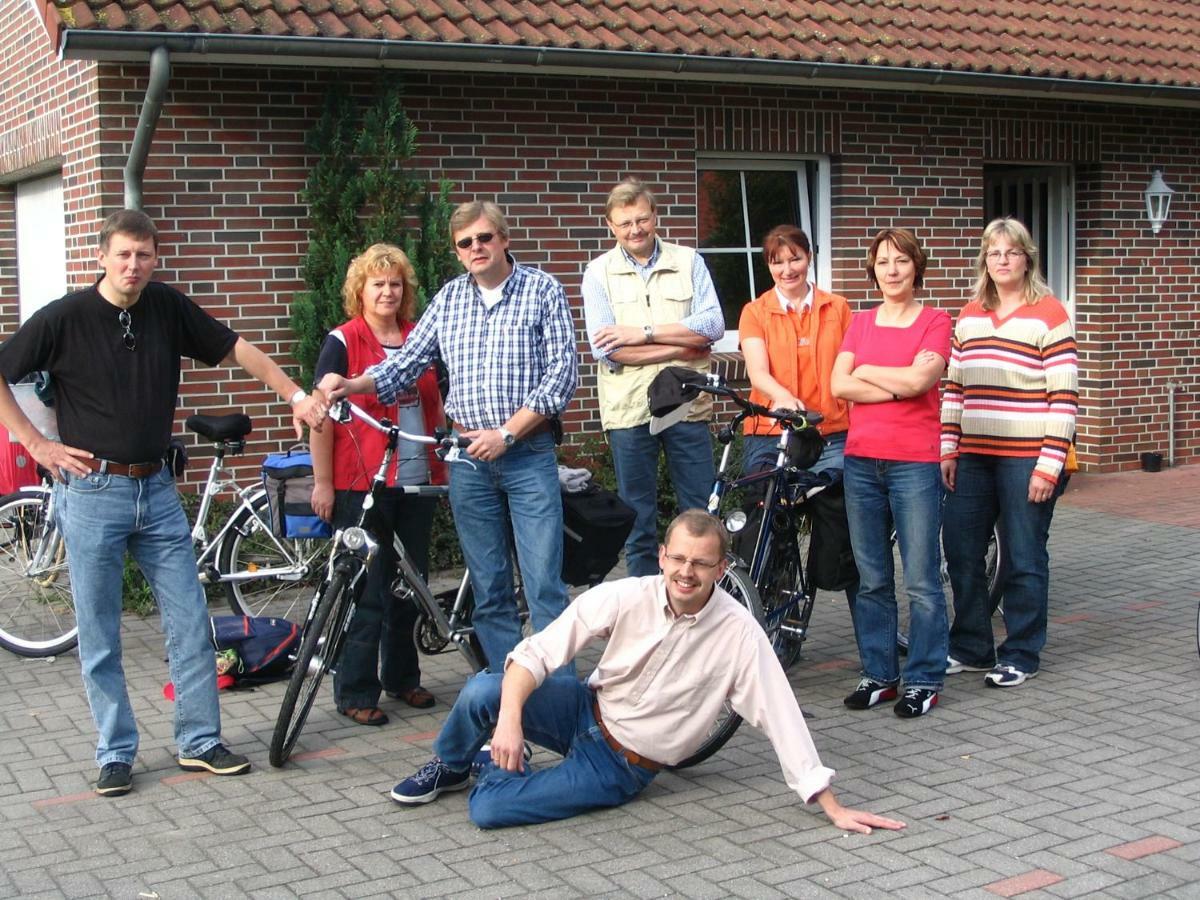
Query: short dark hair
x=785 y=236
x=132 y=222
x=699 y=523
x=904 y=241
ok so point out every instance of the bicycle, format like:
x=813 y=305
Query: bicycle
x=331 y=608
x=774 y=583
x=260 y=572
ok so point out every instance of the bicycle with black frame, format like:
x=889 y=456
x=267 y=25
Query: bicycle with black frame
x=444 y=621
x=772 y=581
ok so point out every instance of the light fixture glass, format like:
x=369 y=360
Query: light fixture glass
x=1158 y=201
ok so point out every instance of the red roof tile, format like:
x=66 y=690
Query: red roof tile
x=1135 y=41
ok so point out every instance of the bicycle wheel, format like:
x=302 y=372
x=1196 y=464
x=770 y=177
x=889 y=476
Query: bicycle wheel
x=319 y=649
x=249 y=547
x=787 y=601
x=737 y=583
x=37 y=615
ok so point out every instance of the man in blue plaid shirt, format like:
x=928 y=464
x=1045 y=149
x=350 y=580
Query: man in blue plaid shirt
x=504 y=332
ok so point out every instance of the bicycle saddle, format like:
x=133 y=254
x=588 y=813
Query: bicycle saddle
x=231 y=427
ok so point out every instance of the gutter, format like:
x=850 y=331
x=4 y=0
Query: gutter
x=358 y=52
x=135 y=166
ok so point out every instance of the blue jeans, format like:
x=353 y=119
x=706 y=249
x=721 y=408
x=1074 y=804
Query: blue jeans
x=518 y=494
x=996 y=489
x=379 y=653
x=879 y=493
x=760 y=450
x=102 y=516
x=558 y=716
x=688 y=447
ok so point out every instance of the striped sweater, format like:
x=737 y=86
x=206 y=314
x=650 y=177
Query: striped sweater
x=1012 y=388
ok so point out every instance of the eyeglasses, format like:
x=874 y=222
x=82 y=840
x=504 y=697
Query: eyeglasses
x=1006 y=255
x=465 y=243
x=128 y=337
x=640 y=222
x=700 y=565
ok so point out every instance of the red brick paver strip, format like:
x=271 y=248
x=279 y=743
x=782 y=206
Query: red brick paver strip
x=1145 y=847
x=66 y=798
x=423 y=736
x=318 y=754
x=1020 y=884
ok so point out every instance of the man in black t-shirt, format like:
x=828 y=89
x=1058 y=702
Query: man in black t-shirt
x=113 y=351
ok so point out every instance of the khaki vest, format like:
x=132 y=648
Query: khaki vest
x=664 y=298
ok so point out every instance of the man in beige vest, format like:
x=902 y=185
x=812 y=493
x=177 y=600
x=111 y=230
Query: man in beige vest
x=648 y=305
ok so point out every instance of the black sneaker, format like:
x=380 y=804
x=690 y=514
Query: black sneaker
x=431 y=779
x=116 y=778
x=217 y=760
x=870 y=693
x=916 y=702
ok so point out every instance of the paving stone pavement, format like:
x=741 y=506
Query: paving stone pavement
x=1083 y=782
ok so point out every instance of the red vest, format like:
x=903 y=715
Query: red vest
x=357 y=447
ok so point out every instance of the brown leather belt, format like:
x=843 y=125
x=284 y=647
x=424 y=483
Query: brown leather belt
x=634 y=759
x=131 y=470
x=536 y=429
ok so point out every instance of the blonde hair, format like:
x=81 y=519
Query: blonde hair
x=1034 y=288
x=627 y=193
x=467 y=213
x=375 y=260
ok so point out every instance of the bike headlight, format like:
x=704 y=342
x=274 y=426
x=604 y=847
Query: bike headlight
x=735 y=521
x=355 y=539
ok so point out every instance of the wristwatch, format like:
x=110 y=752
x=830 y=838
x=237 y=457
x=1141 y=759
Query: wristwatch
x=648 y=331
x=300 y=394
x=509 y=437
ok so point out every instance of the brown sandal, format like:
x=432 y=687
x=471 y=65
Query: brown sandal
x=416 y=697
x=365 y=715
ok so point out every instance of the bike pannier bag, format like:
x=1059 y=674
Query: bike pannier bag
x=596 y=523
x=288 y=479
x=264 y=645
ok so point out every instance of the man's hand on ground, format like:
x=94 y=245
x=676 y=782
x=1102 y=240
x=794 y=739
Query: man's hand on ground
x=862 y=821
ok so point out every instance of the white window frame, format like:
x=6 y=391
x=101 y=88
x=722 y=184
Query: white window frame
x=41 y=242
x=819 y=232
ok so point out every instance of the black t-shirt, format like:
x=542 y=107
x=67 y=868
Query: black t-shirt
x=117 y=403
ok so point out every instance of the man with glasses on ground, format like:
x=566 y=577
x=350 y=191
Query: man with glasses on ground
x=648 y=305
x=113 y=353
x=505 y=335
x=677 y=648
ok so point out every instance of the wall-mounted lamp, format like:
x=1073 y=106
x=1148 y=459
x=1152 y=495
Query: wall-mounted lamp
x=1158 y=201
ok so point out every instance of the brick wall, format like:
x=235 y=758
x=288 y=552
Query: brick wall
x=228 y=163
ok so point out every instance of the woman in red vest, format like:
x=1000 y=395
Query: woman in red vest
x=380 y=297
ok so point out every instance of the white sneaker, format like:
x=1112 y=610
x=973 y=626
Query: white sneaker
x=953 y=667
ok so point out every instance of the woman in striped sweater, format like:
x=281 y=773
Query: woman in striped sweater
x=1008 y=417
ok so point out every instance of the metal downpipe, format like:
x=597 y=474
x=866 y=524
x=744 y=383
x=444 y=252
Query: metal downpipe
x=143 y=137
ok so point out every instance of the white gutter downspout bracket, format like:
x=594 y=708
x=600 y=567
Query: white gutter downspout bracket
x=135 y=166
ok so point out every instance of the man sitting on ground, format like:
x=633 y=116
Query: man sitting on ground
x=678 y=648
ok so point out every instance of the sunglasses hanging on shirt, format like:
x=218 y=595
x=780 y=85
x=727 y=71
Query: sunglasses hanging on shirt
x=128 y=337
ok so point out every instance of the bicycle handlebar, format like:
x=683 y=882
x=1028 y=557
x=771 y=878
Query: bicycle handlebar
x=798 y=419
x=343 y=410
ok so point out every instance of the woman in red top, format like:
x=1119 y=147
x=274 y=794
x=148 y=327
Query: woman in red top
x=889 y=367
x=380 y=297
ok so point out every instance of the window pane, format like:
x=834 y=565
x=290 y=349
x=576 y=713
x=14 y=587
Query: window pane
x=762 y=275
x=720 y=210
x=771 y=200
x=731 y=277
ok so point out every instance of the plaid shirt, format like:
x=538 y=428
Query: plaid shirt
x=519 y=353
